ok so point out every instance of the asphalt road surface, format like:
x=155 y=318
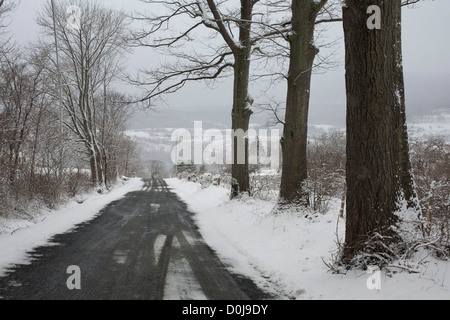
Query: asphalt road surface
x=142 y=247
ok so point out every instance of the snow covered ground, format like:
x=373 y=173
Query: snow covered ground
x=289 y=250
x=17 y=237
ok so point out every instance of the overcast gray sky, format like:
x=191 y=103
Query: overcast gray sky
x=426 y=34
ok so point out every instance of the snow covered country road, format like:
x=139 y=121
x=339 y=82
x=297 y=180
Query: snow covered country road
x=143 y=246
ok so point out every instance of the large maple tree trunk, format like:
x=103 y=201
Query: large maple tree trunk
x=242 y=103
x=372 y=101
x=240 y=122
x=295 y=135
x=404 y=167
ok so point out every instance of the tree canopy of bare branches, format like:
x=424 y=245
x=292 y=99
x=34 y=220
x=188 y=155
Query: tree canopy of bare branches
x=234 y=31
x=90 y=58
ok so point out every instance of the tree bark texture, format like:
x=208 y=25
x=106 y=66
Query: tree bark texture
x=372 y=188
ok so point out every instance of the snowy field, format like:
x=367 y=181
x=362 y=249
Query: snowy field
x=17 y=237
x=289 y=250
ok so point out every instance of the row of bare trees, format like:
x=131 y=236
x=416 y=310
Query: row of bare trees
x=245 y=33
x=241 y=34
x=62 y=122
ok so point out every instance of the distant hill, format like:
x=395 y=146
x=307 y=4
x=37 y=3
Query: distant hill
x=217 y=117
x=436 y=124
x=152 y=130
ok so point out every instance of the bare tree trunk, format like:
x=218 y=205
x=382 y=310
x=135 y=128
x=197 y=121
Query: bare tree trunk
x=372 y=189
x=96 y=165
x=404 y=165
x=242 y=102
x=34 y=150
x=295 y=136
x=240 y=121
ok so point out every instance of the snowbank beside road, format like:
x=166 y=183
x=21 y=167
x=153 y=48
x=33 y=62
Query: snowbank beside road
x=15 y=245
x=289 y=250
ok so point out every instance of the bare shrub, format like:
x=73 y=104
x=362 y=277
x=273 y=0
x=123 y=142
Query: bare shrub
x=431 y=168
x=265 y=187
x=326 y=169
x=78 y=183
